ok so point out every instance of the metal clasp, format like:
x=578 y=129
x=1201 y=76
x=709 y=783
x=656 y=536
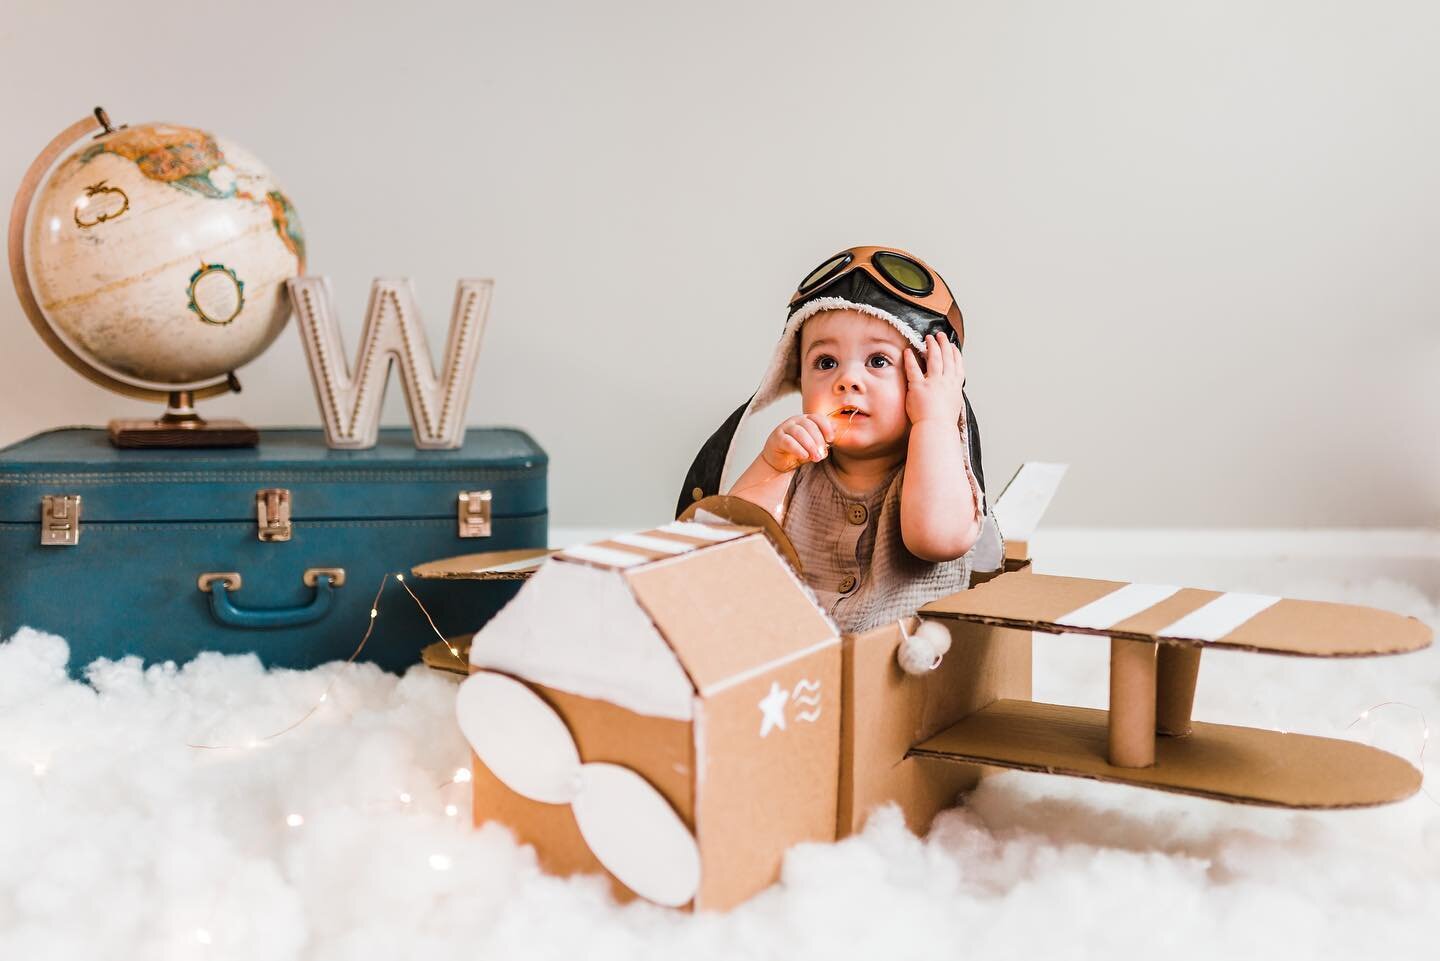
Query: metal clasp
x=231 y=579
x=313 y=574
x=272 y=514
x=60 y=520
x=473 y=513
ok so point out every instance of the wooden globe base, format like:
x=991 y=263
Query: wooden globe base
x=182 y=427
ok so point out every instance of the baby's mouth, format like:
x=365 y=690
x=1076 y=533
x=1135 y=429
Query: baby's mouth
x=849 y=410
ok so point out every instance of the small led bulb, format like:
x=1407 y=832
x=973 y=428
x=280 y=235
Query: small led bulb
x=295 y=820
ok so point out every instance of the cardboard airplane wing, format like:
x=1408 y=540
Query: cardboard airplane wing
x=1147 y=739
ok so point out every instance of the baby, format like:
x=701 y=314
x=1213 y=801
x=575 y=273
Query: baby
x=877 y=483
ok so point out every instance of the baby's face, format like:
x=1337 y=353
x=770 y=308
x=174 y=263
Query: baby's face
x=852 y=361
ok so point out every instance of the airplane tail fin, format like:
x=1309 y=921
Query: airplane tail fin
x=1021 y=505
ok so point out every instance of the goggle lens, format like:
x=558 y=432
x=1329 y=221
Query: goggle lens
x=825 y=271
x=904 y=273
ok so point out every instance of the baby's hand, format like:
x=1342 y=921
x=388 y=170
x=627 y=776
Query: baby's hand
x=938 y=393
x=798 y=440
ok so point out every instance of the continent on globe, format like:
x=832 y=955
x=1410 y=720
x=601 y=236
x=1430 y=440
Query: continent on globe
x=159 y=254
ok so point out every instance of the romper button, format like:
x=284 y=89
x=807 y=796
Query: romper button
x=857 y=514
x=847 y=583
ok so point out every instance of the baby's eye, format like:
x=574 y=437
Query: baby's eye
x=824 y=362
x=880 y=360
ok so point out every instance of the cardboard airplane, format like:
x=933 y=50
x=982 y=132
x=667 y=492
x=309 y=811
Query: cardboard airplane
x=686 y=673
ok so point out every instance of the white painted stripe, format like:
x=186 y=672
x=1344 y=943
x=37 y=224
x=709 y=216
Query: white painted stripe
x=658 y=544
x=513 y=566
x=1219 y=617
x=605 y=555
x=702 y=531
x=724 y=684
x=1114 y=607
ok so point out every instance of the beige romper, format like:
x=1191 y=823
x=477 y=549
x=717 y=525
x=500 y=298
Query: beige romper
x=854 y=557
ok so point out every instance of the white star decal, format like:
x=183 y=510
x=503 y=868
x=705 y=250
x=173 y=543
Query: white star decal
x=772 y=706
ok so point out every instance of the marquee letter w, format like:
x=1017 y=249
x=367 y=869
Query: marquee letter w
x=350 y=403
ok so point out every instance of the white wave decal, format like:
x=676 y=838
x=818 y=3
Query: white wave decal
x=806 y=694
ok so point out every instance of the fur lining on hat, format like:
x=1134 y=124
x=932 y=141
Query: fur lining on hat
x=783 y=376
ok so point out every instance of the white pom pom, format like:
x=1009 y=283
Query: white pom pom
x=938 y=634
x=921 y=652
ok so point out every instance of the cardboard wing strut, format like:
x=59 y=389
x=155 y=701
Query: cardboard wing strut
x=1157 y=634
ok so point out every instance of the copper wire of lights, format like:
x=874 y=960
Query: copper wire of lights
x=844 y=427
x=1424 y=738
x=325 y=695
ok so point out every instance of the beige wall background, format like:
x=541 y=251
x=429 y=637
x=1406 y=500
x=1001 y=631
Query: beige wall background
x=1195 y=244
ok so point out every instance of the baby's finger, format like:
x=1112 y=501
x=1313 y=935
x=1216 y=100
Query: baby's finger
x=796 y=431
x=912 y=367
x=792 y=448
x=825 y=424
x=934 y=357
x=956 y=362
x=817 y=437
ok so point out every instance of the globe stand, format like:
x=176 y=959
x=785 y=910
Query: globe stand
x=181 y=426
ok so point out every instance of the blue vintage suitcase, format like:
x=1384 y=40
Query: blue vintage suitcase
x=110 y=548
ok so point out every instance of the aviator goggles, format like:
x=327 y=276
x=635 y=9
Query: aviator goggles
x=899 y=273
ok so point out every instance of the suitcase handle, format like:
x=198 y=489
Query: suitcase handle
x=220 y=584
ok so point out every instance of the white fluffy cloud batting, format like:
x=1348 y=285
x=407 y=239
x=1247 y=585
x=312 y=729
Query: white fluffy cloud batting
x=121 y=842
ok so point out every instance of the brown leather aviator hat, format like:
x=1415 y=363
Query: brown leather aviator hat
x=884 y=282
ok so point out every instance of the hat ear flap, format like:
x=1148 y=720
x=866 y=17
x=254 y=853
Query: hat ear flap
x=703 y=479
x=975 y=465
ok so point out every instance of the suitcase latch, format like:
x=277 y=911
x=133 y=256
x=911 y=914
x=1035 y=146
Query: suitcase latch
x=474 y=513
x=60 y=520
x=272 y=514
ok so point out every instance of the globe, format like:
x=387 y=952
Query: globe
x=158 y=255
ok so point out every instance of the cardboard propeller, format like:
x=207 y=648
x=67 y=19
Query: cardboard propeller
x=628 y=825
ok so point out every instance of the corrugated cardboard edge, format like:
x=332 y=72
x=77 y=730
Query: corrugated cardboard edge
x=479 y=567
x=1403 y=634
x=1217 y=761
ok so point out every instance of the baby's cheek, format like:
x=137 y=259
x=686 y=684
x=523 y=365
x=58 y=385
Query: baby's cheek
x=891 y=412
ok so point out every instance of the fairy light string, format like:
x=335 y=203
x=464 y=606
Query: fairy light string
x=335 y=677
x=440 y=862
x=443 y=639
x=1424 y=738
